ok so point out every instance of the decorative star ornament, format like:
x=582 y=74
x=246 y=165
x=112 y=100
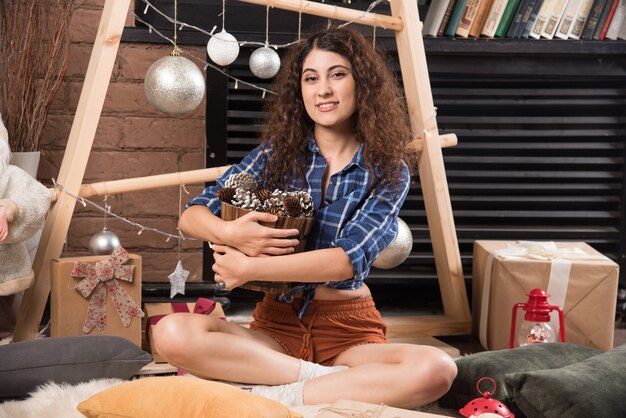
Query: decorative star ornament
x=178 y=279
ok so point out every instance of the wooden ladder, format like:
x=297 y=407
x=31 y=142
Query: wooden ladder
x=404 y=20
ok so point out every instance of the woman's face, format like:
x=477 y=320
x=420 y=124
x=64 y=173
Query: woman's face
x=328 y=89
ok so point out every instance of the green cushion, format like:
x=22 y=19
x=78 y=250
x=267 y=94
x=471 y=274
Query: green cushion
x=28 y=364
x=497 y=364
x=595 y=387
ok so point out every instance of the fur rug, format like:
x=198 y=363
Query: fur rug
x=54 y=400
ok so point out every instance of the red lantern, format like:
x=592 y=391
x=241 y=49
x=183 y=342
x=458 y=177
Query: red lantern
x=536 y=326
x=486 y=405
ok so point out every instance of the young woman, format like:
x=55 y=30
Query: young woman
x=338 y=130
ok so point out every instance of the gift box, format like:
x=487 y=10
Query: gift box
x=156 y=311
x=577 y=277
x=97 y=295
x=345 y=408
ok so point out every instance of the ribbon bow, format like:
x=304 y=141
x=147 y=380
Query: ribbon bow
x=99 y=278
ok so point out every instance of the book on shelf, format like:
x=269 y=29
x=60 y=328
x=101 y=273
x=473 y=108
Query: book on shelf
x=542 y=19
x=493 y=18
x=568 y=19
x=434 y=17
x=618 y=21
x=606 y=19
x=455 y=17
x=525 y=32
x=446 y=18
x=554 y=18
x=481 y=16
x=517 y=19
x=622 y=32
x=592 y=19
x=468 y=18
x=581 y=19
x=507 y=18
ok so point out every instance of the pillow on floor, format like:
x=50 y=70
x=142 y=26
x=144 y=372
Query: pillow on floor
x=179 y=396
x=595 y=387
x=496 y=364
x=28 y=364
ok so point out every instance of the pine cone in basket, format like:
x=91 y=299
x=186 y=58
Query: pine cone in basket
x=244 y=180
x=226 y=194
x=246 y=200
x=293 y=208
x=263 y=194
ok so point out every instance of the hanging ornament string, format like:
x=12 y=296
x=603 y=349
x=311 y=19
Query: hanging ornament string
x=175 y=51
x=178 y=277
x=204 y=62
x=137 y=225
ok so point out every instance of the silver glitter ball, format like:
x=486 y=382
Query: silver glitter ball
x=398 y=250
x=264 y=62
x=223 y=48
x=174 y=85
x=103 y=242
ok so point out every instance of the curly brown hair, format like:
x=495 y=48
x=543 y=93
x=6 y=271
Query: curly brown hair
x=380 y=119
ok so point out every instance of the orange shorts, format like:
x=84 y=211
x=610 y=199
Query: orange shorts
x=328 y=328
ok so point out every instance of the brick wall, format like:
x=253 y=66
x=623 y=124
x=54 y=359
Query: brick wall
x=133 y=139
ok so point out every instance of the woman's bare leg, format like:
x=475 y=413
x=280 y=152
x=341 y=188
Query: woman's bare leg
x=209 y=347
x=399 y=375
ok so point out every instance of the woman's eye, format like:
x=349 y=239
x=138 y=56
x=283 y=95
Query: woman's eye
x=338 y=75
x=309 y=79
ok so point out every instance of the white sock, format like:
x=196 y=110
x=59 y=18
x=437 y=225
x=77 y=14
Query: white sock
x=310 y=370
x=290 y=395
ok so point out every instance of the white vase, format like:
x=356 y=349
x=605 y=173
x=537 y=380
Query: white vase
x=29 y=162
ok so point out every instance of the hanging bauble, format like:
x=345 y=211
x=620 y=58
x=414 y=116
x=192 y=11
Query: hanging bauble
x=264 y=62
x=223 y=48
x=174 y=85
x=103 y=242
x=398 y=250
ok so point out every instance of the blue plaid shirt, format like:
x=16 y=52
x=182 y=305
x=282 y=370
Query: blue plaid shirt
x=350 y=215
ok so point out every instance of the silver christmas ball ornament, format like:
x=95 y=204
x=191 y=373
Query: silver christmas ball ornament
x=264 y=62
x=398 y=250
x=103 y=242
x=174 y=85
x=223 y=48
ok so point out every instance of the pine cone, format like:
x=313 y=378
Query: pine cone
x=307 y=204
x=263 y=194
x=244 y=180
x=275 y=210
x=293 y=208
x=226 y=194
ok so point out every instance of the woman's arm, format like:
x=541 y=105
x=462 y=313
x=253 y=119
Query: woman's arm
x=235 y=268
x=245 y=233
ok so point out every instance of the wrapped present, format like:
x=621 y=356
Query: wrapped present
x=156 y=311
x=98 y=295
x=345 y=408
x=577 y=277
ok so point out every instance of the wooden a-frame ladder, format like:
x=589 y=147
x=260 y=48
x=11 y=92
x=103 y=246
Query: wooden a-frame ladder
x=404 y=20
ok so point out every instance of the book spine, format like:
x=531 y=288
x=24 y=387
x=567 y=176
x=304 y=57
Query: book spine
x=581 y=19
x=507 y=18
x=493 y=18
x=434 y=17
x=568 y=18
x=481 y=16
x=517 y=19
x=554 y=19
x=531 y=19
x=469 y=15
x=592 y=20
x=542 y=19
x=622 y=31
x=446 y=19
x=609 y=18
x=455 y=17
x=618 y=21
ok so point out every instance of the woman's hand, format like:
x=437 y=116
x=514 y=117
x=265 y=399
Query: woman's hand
x=4 y=225
x=230 y=266
x=253 y=239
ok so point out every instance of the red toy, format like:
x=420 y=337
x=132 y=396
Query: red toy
x=536 y=326
x=486 y=405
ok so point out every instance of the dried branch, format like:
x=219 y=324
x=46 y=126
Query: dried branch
x=34 y=50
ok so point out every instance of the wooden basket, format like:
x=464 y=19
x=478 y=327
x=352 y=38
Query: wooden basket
x=230 y=213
